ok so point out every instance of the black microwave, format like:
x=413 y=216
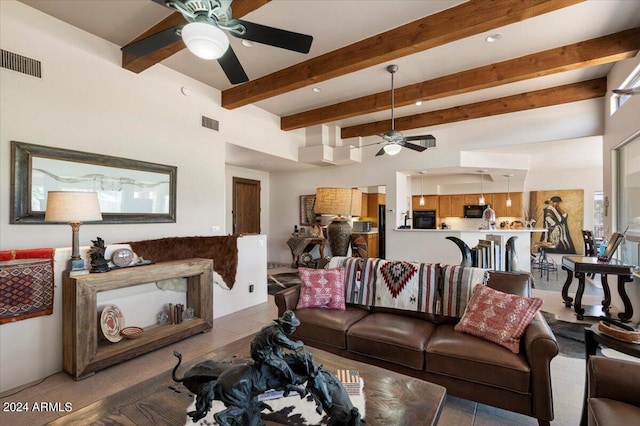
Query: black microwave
x=474 y=211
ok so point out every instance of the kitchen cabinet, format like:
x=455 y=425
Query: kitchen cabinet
x=457 y=205
x=500 y=204
x=471 y=199
x=430 y=202
x=365 y=205
x=444 y=206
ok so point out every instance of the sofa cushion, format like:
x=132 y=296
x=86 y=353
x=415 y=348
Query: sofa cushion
x=471 y=358
x=498 y=317
x=327 y=326
x=392 y=338
x=603 y=411
x=321 y=288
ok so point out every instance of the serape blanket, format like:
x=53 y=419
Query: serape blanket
x=390 y=284
x=26 y=284
x=458 y=283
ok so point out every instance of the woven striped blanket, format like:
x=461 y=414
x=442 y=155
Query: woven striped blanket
x=457 y=287
x=391 y=284
x=420 y=287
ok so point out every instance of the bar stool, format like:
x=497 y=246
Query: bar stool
x=543 y=262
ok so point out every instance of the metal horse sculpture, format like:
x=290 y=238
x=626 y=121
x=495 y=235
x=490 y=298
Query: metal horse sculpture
x=238 y=387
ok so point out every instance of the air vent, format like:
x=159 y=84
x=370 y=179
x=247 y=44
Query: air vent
x=210 y=123
x=15 y=62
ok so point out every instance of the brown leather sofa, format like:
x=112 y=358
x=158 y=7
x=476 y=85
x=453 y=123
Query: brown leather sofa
x=427 y=347
x=614 y=392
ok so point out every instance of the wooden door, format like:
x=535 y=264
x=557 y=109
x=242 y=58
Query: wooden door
x=246 y=206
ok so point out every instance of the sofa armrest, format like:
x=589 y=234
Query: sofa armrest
x=540 y=347
x=287 y=299
x=614 y=379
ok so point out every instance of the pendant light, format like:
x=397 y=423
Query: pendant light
x=481 y=200
x=421 y=189
x=508 y=190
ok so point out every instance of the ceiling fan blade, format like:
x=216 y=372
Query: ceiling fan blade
x=272 y=36
x=153 y=42
x=232 y=67
x=414 y=146
x=420 y=138
x=381 y=152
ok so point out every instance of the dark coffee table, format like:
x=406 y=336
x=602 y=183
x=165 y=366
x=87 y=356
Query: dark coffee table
x=390 y=398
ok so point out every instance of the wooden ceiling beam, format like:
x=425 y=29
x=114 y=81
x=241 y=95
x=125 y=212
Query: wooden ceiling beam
x=574 y=92
x=464 y=20
x=602 y=50
x=139 y=64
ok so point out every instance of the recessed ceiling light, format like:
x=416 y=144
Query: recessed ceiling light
x=247 y=43
x=418 y=103
x=316 y=90
x=492 y=38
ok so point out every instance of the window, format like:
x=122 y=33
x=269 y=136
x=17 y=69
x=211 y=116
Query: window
x=628 y=214
x=631 y=82
x=598 y=215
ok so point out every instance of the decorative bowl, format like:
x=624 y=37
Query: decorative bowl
x=132 y=332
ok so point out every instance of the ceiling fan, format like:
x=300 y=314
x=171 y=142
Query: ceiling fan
x=632 y=91
x=204 y=37
x=393 y=140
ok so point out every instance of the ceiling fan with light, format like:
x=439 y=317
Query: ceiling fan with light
x=204 y=36
x=393 y=140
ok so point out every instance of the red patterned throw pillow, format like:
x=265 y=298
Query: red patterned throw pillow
x=322 y=288
x=498 y=317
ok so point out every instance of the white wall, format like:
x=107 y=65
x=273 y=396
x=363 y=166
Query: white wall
x=85 y=101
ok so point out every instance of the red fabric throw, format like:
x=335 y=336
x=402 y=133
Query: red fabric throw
x=26 y=284
x=498 y=317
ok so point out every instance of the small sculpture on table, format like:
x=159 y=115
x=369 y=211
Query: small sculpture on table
x=98 y=262
x=239 y=385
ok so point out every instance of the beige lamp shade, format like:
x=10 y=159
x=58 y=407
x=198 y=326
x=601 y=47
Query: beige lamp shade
x=338 y=201
x=69 y=206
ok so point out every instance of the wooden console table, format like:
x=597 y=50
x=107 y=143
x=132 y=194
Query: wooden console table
x=580 y=266
x=83 y=355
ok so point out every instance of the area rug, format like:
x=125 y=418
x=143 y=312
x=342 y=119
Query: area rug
x=290 y=411
x=26 y=284
x=570 y=336
x=279 y=282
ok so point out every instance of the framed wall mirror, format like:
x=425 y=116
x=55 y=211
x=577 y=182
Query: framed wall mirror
x=129 y=191
x=307 y=211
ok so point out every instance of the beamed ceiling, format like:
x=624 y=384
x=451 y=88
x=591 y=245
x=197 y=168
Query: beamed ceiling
x=551 y=52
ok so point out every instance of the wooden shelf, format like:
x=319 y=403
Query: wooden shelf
x=84 y=354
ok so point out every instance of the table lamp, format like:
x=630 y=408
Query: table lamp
x=73 y=208
x=341 y=202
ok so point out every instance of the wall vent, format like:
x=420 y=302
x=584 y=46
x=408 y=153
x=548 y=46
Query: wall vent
x=210 y=123
x=15 y=62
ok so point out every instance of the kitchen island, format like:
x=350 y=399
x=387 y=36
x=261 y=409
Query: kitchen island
x=432 y=245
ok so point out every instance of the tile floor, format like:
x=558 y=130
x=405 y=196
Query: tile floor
x=567 y=375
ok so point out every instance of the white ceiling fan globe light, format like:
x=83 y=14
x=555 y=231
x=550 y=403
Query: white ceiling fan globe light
x=204 y=40
x=392 y=148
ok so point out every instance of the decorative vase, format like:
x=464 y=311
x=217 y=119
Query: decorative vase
x=339 y=232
